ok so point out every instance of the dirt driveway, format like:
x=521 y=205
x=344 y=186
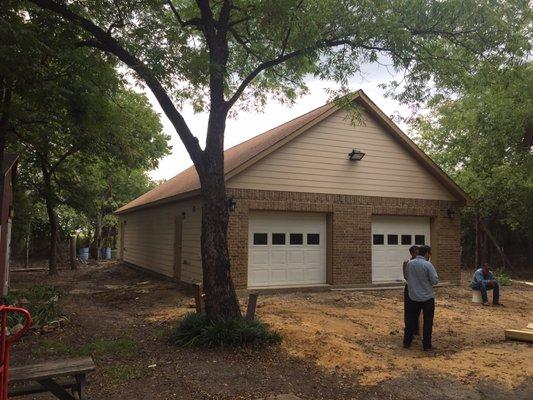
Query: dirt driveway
x=336 y=345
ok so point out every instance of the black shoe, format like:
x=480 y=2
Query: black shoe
x=406 y=346
x=416 y=333
x=430 y=348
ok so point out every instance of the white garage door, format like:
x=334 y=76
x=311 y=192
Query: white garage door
x=286 y=249
x=391 y=239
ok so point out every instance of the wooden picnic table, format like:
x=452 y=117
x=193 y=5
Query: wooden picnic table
x=56 y=377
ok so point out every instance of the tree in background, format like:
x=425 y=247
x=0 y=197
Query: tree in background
x=483 y=137
x=219 y=55
x=73 y=106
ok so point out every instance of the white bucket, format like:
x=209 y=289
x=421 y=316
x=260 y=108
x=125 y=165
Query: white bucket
x=476 y=297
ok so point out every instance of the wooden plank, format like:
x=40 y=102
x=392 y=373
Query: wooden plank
x=51 y=369
x=252 y=304
x=519 y=334
x=56 y=389
x=198 y=298
x=38 y=388
x=530 y=326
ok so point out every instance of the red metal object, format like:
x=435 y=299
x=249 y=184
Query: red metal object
x=6 y=341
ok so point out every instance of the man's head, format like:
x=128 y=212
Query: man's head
x=424 y=251
x=413 y=250
x=485 y=267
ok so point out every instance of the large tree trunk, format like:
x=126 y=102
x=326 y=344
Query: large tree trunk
x=5 y=108
x=221 y=299
x=98 y=236
x=52 y=219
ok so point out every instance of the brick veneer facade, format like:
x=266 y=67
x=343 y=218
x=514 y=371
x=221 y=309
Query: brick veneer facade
x=349 y=220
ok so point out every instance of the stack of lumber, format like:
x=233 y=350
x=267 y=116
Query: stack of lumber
x=525 y=334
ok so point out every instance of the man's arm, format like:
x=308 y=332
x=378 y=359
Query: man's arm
x=477 y=278
x=404 y=269
x=433 y=277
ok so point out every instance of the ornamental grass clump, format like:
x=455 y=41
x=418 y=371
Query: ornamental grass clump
x=200 y=331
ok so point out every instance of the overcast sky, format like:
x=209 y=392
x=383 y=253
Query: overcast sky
x=249 y=124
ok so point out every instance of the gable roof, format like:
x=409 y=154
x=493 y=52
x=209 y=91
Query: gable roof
x=245 y=154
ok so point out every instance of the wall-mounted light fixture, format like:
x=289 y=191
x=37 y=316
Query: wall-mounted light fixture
x=450 y=212
x=232 y=204
x=356 y=155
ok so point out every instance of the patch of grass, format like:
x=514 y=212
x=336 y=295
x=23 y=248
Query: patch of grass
x=101 y=347
x=201 y=331
x=51 y=348
x=39 y=300
x=126 y=372
x=159 y=333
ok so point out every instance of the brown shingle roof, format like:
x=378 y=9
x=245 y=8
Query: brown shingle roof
x=187 y=181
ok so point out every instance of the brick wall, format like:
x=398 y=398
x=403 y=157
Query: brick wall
x=350 y=261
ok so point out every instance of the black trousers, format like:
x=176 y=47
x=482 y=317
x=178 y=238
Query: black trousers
x=406 y=301
x=413 y=313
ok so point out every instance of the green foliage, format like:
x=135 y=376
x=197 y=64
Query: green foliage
x=481 y=136
x=503 y=278
x=76 y=125
x=199 y=330
x=41 y=301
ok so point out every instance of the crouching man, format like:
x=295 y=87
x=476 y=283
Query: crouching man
x=484 y=280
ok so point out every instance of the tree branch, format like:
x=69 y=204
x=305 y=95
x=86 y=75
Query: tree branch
x=197 y=22
x=105 y=42
x=297 y=53
x=73 y=149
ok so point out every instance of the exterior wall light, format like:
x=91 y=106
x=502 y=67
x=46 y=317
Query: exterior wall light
x=356 y=155
x=450 y=212
x=232 y=204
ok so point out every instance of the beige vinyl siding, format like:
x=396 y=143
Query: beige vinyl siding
x=317 y=162
x=149 y=239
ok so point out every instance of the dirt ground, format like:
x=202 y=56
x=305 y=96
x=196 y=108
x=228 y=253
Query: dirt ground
x=336 y=344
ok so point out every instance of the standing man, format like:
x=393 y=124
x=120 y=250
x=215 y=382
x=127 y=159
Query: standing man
x=421 y=277
x=484 y=280
x=413 y=251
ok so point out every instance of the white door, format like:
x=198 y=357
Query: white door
x=391 y=239
x=286 y=249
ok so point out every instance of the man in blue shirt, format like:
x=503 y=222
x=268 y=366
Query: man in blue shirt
x=484 y=280
x=421 y=277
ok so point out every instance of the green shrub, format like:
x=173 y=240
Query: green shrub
x=201 y=331
x=39 y=300
x=503 y=278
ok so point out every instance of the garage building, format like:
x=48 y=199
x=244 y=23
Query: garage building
x=306 y=209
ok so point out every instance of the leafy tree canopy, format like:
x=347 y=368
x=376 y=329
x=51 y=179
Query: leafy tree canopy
x=483 y=137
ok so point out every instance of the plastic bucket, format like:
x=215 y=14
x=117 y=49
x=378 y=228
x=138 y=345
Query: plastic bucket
x=106 y=253
x=84 y=253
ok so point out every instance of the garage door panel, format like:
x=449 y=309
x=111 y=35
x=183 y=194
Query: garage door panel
x=300 y=263
x=260 y=257
x=260 y=276
x=278 y=275
x=313 y=257
x=278 y=257
x=296 y=256
x=390 y=249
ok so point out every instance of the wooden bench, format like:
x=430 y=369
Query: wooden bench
x=56 y=377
